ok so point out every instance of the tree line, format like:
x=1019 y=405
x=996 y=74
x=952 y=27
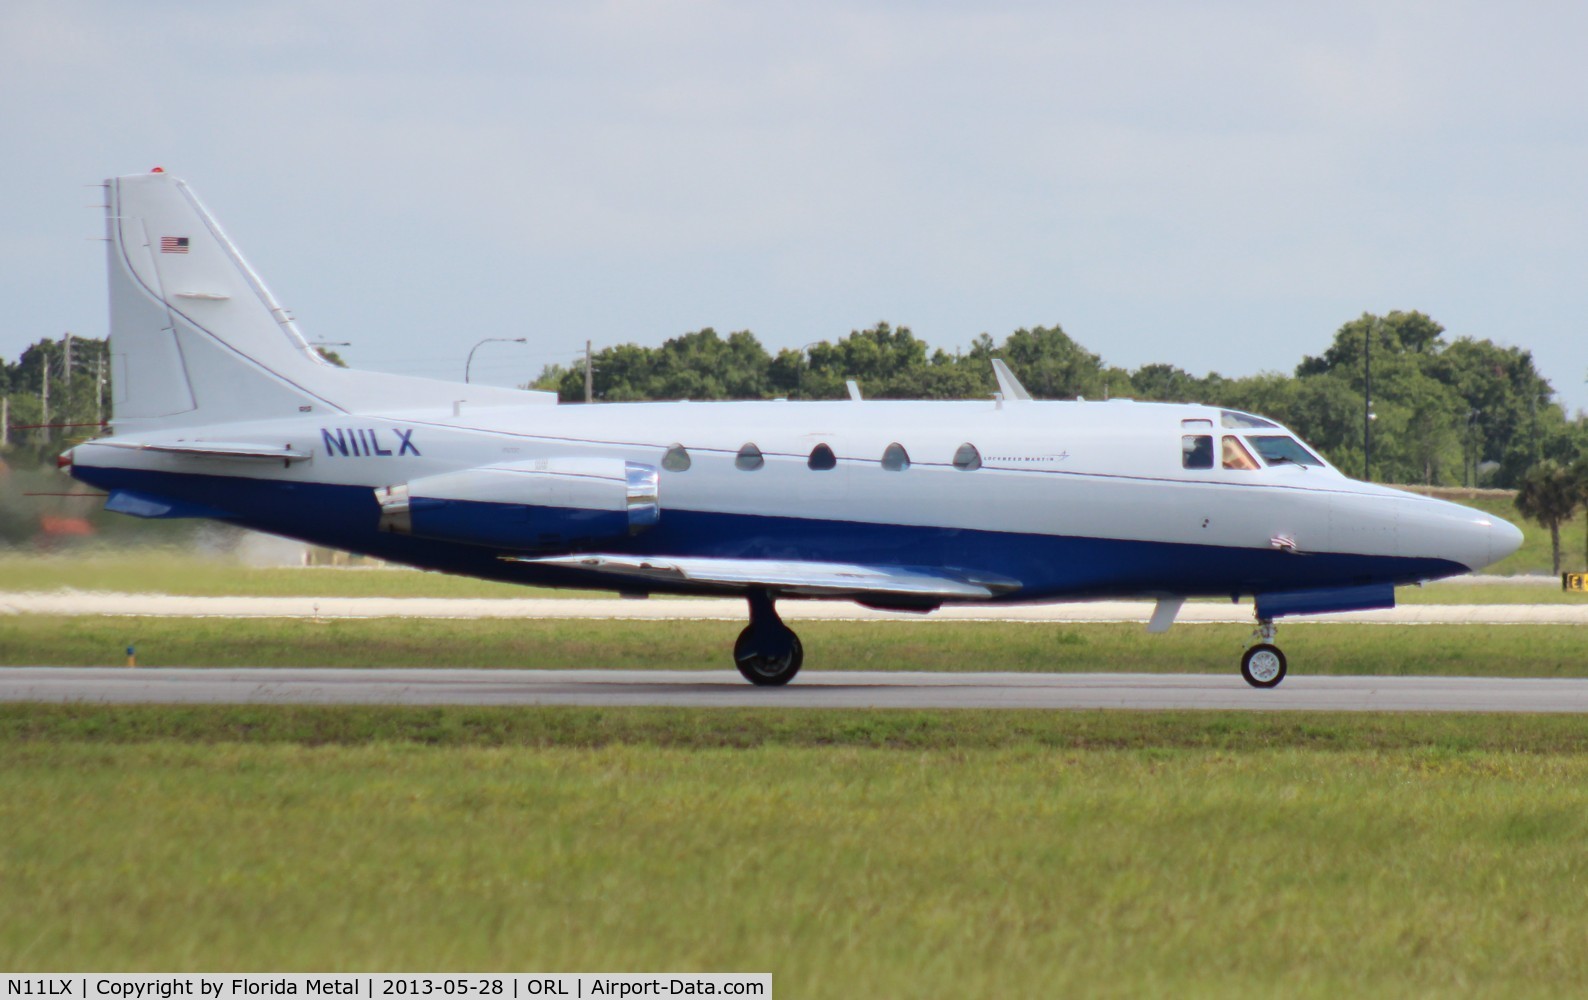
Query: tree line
x=1443 y=412
x=58 y=391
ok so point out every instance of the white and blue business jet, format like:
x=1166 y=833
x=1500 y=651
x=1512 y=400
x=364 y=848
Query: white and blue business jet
x=222 y=410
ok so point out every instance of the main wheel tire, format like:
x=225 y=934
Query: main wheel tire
x=767 y=670
x=1263 y=666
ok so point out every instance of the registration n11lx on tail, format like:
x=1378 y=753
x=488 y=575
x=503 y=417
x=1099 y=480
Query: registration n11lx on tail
x=223 y=410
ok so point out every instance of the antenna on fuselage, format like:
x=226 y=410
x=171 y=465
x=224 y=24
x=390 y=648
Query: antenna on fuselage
x=1007 y=383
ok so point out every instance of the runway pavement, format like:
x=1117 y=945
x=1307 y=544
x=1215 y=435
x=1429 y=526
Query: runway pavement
x=812 y=689
x=733 y=609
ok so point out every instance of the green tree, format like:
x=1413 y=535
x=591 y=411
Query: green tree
x=1444 y=411
x=66 y=407
x=1048 y=363
x=888 y=362
x=1549 y=493
x=1167 y=384
x=698 y=365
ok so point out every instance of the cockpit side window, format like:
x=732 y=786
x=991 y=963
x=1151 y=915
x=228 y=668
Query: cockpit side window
x=1235 y=454
x=1278 y=449
x=1196 y=443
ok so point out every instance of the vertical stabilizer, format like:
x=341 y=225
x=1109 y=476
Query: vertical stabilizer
x=197 y=338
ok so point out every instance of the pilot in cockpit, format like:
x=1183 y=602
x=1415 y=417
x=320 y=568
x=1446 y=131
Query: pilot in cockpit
x=1235 y=454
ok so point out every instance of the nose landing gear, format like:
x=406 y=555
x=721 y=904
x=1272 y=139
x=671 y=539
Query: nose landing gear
x=1263 y=666
x=767 y=653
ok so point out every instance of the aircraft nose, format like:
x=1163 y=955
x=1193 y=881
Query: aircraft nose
x=1485 y=540
x=1504 y=539
x=1449 y=531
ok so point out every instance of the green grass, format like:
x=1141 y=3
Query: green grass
x=1546 y=592
x=588 y=728
x=1178 y=854
x=1501 y=651
x=169 y=571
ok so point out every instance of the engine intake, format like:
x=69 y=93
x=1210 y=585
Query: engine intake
x=542 y=504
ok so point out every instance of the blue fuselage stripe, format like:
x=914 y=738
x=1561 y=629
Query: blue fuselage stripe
x=1050 y=567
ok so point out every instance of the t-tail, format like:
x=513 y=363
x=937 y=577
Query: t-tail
x=197 y=339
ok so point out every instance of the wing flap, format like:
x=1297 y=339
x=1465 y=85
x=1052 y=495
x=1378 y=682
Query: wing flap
x=792 y=577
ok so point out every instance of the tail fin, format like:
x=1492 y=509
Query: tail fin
x=197 y=338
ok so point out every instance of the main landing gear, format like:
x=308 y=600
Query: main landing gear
x=1263 y=666
x=768 y=653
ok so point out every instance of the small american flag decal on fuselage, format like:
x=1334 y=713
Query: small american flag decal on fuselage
x=173 y=244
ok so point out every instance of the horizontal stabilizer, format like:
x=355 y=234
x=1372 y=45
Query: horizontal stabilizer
x=216 y=449
x=792 y=577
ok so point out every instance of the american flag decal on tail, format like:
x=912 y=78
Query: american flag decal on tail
x=173 y=244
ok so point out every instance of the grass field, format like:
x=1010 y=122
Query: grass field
x=170 y=571
x=1499 y=651
x=854 y=853
x=1542 y=592
x=851 y=854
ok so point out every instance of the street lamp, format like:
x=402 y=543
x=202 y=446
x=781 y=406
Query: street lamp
x=1367 y=400
x=469 y=364
x=799 y=373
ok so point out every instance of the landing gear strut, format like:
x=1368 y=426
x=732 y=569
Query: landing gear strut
x=768 y=653
x=1263 y=666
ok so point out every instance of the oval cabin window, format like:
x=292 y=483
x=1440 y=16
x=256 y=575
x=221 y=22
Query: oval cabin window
x=895 y=458
x=967 y=458
x=822 y=458
x=749 y=458
x=676 y=459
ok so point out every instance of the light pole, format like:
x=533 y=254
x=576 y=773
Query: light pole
x=1472 y=448
x=799 y=373
x=1367 y=401
x=469 y=364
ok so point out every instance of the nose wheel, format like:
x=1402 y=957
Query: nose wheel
x=767 y=653
x=1263 y=665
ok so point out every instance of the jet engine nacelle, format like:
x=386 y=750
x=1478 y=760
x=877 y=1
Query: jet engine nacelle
x=544 y=503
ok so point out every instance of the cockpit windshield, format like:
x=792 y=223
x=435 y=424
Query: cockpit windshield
x=1277 y=450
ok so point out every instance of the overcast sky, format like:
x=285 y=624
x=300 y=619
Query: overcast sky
x=1214 y=185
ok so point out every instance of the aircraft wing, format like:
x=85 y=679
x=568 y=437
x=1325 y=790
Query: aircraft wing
x=789 y=577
